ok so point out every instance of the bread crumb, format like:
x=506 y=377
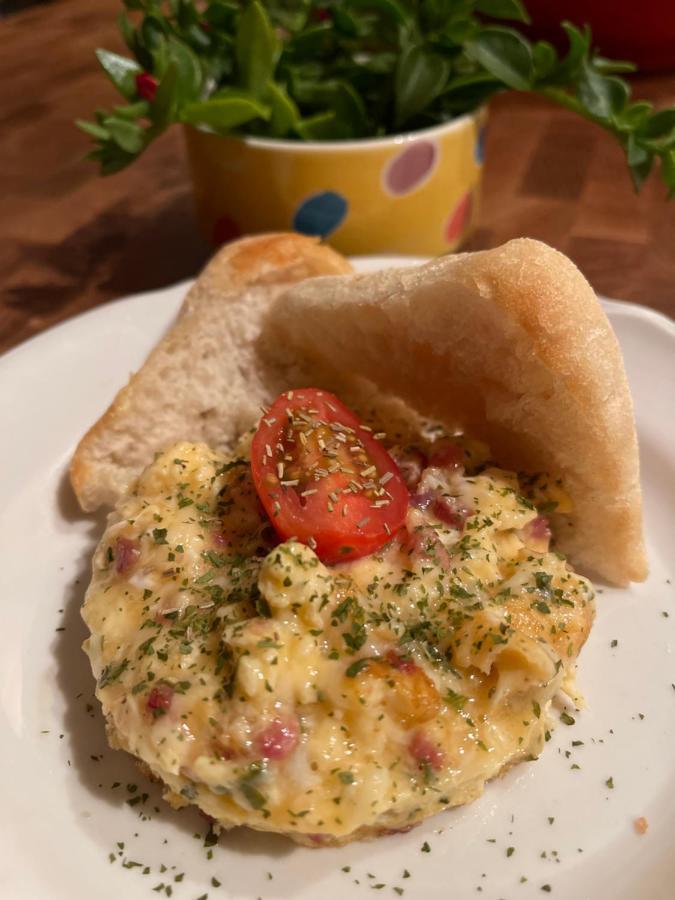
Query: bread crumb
x=641 y=825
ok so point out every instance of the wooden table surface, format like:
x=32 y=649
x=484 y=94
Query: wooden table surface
x=70 y=240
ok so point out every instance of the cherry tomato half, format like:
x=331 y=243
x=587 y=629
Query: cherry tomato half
x=324 y=479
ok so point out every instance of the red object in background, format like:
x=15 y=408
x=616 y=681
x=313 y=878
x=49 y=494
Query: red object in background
x=643 y=33
x=146 y=85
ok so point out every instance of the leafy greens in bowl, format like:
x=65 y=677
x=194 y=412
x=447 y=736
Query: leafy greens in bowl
x=346 y=69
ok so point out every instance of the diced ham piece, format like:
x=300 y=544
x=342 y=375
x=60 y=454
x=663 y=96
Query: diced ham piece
x=159 y=698
x=446 y=455
x=126 y=554
x=411 y=463
x=401 y=663
x=451 y=511
x=219 y=539
x=423 y=500
x=423 y=544
x=425 y=752
x=278 y=739
x=319 y=840
x=536 y=534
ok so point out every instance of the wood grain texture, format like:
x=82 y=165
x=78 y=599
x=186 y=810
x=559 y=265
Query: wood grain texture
x=70 y=240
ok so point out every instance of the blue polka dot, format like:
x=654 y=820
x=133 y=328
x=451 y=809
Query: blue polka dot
x=479 y=148
x=320 y=214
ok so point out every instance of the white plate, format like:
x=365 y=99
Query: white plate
x=60 y=817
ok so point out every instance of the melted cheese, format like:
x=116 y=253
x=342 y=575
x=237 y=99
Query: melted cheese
x=326 y=702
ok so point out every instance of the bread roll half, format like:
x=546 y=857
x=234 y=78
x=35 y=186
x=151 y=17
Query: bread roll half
x=511 y=345
x=205 y=380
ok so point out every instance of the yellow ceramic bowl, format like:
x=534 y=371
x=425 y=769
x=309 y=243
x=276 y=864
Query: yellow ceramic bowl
x=414 y=193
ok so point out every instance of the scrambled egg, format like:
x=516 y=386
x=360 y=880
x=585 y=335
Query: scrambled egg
x=328 y=703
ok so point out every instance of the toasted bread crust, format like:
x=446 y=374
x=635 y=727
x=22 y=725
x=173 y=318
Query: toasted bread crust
x=512 y=345
x=509 y=344
x=204 y=380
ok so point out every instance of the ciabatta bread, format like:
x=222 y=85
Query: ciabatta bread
x=205 y=380
x=511 y=345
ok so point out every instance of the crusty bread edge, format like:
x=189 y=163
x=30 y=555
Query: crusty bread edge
x=537 y=292
x=257 y=260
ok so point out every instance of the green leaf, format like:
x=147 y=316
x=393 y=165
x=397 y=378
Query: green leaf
x=344 y=23
x=340 y=99
x=350 y=109
x=460 y=82
x=613 y=66
x=224 y=113
x=315 y=41
x=580 y=45
x=306 y=85
x=668 y=171
x=640 y=161
x=466 y=95
x=92 y=129
x=635 y=114
x=127 y=135
x=188 y=71
x=120 y=70
x=396 y=11
x=152 y=32
x=127 y=30
x=659 y=129
x=420 y=77
x=284 y=112
x=221 y=15
x=455 y=34
x=544 y=59
x=163 y=109
x=505 y=54
x=186 y=14
x=197 y=37
x=376 y=63
x=293 y=19
x=133 y=110
x=256 y=48
x=503 y=9
x=603 y=96
x=321 y=127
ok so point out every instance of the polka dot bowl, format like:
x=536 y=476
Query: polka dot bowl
x=414 y=193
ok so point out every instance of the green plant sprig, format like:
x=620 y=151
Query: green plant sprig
x=347 y=69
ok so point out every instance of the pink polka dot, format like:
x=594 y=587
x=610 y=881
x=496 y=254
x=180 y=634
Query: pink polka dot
x=410 y=168
x=458 y=219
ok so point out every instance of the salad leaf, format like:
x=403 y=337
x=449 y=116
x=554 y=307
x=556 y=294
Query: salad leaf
x=256 y=48
x=421 y=75
x=222 y=114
